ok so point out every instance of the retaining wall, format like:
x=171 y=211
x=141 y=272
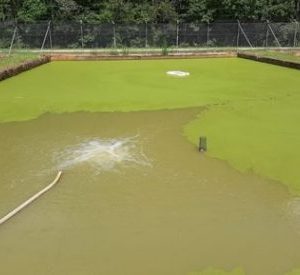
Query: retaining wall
x=270 y=60
x=25 y=66
x=147 y=56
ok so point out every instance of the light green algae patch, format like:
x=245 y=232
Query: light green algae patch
x=139 y=85
x=212 y=271
x=259 y=136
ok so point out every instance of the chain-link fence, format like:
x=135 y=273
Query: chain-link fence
x=78 y=35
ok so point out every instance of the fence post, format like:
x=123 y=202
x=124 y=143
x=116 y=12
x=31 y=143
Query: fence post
x=50 y=37
x=81 y=34
x=245 y=35
x=272 y=32
x=12 y=40
x=267 y=35
x=177 y=34
x=296 y=33
x=207 y=34
x=146 y=34
x=238 y=36
x=114 y=34
x=45 y=37
x=198 y=34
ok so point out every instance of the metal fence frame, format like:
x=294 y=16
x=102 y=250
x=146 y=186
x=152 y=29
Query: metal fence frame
x=79 y=35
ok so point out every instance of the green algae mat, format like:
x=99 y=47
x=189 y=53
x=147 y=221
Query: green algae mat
x=251 y=109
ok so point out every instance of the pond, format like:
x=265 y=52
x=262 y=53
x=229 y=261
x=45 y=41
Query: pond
x=136 y=198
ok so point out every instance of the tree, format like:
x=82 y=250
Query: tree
x=32 y=10
x=159 y=11
x=5 y=10
x=164 y=12
x=144 y=12
x=66 y=9
x=199 y=11
x=117 y=11
x=278 y=10
x=242 y=9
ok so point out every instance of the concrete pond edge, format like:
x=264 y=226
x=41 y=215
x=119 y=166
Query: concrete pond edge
x=270 y=60
x=23 y=67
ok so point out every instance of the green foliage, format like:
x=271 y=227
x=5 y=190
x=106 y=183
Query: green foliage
x=124 y=11
x=199 y=11
x=113 y=51
x=275 y=10
x=117 y=11
x=165 y=12
x=164 y=50
x=32 y=10
x=4 y=9
x=125 y=51
x=211 y=43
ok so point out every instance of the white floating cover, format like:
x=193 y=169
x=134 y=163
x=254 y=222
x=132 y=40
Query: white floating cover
x=178 y=73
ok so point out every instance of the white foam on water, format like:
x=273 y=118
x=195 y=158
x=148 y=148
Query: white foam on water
x=178 y=73
x=293 y=211
x=293 y=207
x=103 y=154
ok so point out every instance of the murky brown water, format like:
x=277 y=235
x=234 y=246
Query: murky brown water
x=175 y=212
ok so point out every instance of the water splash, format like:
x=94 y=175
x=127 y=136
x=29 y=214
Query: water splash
x=104 y=154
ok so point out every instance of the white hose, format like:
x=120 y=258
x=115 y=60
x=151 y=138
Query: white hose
x=30 y=200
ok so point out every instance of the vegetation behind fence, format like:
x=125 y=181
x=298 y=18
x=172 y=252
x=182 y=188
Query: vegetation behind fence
x=78 y=35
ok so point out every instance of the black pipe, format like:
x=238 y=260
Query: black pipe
x=202 y=144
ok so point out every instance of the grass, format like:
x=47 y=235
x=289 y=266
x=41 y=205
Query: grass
x=15 y=59
x=252 y=109
x=281 y=55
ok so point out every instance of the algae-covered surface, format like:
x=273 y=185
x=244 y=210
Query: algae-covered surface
x=140 y=85
x=252 y=109
x=136 y=197
x=259 y=136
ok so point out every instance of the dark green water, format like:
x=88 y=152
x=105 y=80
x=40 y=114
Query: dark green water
x=155 y=205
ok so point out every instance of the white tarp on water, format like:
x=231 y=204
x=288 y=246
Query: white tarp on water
x=178 y=73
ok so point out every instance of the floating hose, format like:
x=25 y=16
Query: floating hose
x=30 y=200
